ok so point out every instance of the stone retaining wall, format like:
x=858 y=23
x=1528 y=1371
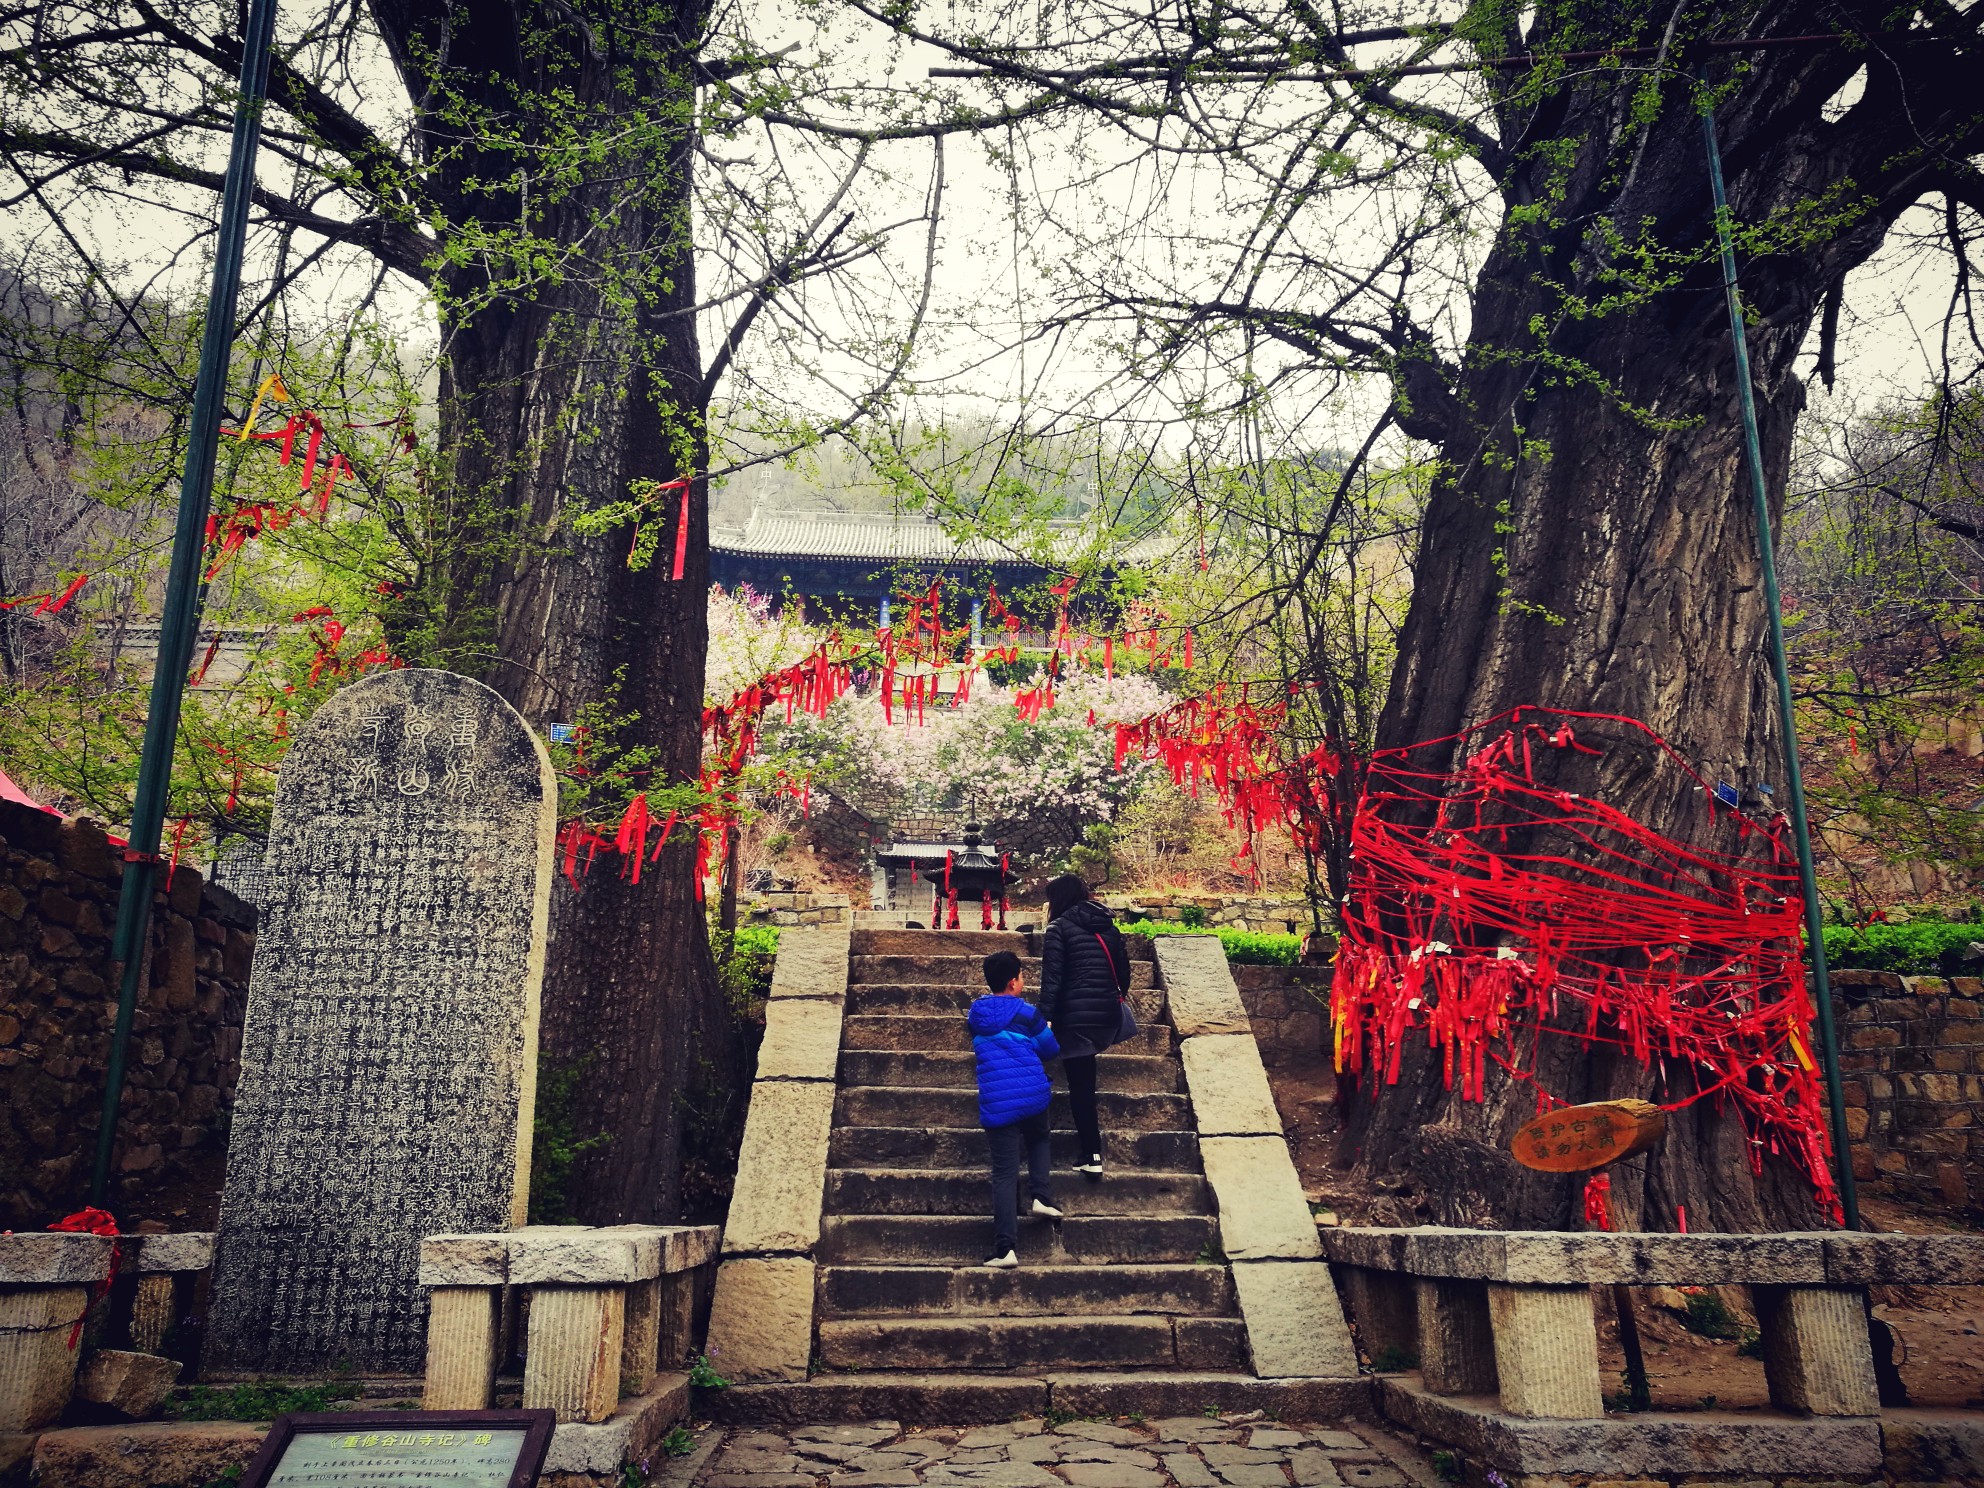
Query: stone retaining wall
x=794 y=908
x=1913 y=1054
x=1261 y=914
x=58 y=999
x=1289 y=1007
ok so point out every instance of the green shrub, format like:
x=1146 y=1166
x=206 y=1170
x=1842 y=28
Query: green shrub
x=703 y=1375
x=1709 y=1315
x=1921 y=947
x=1192 y=917
x=258 y=1401
x=744 y=963
x=556 y=1143
x=1243 y=947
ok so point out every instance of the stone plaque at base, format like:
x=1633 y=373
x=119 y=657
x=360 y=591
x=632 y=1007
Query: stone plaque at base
x=414 y=1449
x=389 y=1055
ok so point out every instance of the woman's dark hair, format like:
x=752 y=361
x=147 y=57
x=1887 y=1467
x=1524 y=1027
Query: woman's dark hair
x=1064 y=893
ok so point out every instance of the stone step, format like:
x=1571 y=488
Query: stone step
x=958 y=1399
x=880 y=939
x=942 y=1032
x=1030 y=1291
x=910 y=1105
x=1014 y=1343
x=913 y=1148
x=961 y=1240
x=912 y=999
x=968 y=1191
x=1159 y=1074
x=892 y=969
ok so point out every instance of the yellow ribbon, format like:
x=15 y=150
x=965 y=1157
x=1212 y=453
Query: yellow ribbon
x=1798 y=1048
x=271 y=388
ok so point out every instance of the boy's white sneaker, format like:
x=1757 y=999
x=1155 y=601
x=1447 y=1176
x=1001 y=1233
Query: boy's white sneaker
x=1092 y=1168
x=1044 y=1210
x=1004 y=1262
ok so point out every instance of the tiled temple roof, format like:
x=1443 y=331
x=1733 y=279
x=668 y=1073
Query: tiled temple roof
x=875 y=538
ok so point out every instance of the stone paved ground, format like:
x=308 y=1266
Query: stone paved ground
x=1235 y=1451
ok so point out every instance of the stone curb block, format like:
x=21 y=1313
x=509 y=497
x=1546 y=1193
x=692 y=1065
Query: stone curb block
x=811 y=963
x=781 y=1169
x=48 y=1258
x=152 y=1454
x=1905 y=1260
x=1814 y=1258
x=761 y=1319
x=1295 y=1324
x=637 y=1425
x=464 y=1260
x=1198 y=986
x=1263 y=1214
x=1229 y=1086
x=685 y=1247
x=151 y=1254
x=1726 y=1446
x=802 y=1039
x=557 y=1255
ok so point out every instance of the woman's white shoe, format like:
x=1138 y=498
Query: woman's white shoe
x=1044 y=1210
x=1004 y=1262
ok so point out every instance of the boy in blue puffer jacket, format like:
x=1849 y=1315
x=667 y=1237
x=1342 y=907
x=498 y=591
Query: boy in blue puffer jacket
x=1011 y=1040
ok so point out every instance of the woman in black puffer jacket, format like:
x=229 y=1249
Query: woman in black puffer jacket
x=1084 y=977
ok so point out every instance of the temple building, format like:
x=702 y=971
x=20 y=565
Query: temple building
x=843 y=563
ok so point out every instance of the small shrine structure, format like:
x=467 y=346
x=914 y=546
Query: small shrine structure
x=965 y=881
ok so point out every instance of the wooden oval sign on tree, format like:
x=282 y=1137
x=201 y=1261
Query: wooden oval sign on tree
x=1579 y=1137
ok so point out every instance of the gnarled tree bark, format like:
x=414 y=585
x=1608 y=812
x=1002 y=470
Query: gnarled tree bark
x=1589 y=542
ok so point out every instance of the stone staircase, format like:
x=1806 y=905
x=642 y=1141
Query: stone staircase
x=853 y=1284
x=1130 y=1279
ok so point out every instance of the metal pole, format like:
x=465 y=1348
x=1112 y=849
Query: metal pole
x=184 y=591
x=1794 y=777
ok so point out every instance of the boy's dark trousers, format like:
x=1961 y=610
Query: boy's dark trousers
x=1005 y=1142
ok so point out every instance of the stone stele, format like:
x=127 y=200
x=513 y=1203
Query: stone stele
x=389 y=1057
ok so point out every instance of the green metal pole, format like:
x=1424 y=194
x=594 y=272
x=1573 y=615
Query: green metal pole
x=183 y=593
x=1794 y=782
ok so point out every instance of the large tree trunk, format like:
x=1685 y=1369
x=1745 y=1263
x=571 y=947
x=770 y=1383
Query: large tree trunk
x=556 y=395
x=1589 y=544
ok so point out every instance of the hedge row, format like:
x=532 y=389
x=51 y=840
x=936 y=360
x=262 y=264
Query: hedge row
x=1917 y=948
x=1243 y=947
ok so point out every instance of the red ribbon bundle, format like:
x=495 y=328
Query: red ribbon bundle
x=1488 y=908
x=91 y=1222
x=49 y=603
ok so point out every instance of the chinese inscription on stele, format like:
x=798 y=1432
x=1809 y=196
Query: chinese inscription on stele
x=389 y=1053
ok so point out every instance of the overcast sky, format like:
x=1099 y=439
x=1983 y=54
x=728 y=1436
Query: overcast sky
x=994 y=257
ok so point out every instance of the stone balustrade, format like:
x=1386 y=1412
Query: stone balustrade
x=1510 y=1312
x=48 y=1282
x=607 y=1310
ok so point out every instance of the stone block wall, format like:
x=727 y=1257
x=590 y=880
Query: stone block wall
x=841 y=829
x=1260 y=914
x=58 y=1000
x=1289 y=1007
x=794 y=908
x=1913 y=1057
